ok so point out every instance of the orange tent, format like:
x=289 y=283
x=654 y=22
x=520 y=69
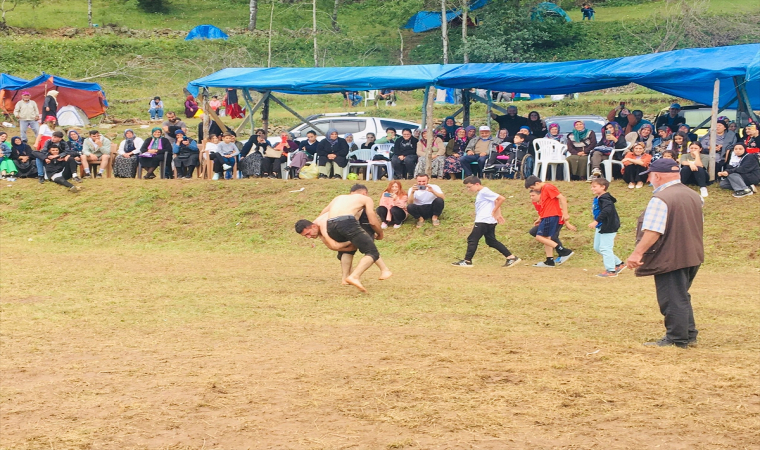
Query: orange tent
x=89 y=97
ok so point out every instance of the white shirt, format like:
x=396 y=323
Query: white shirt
x=424 y=197
x=484 y=205
x=211 y=147
x=138 y=144
x=45 y=130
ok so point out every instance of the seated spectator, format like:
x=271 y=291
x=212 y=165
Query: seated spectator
x=553 y=133
x=252 y=163
x=349 y=137
x=732 y=126
x=75 y=143
x=527 y=135
x=580 y=142
x=511 y=121
x=684 y=128
x=8 y=169
x=672 y=119
x=191 y=107
x=752 y=139
x=644 y=136
x=623 y=118
x=455 y=149
x=156 y=108
x=670 y=154
x=693 y=169
x=536 y=125
x=226 y=156
x=211 y=146
x=186 y=156
x=640 y=120
x=635 y=162
x=612 y=139
x=215 y=104
x=502 y=136
x=272 y=166
x=388 y=96
x=370 y=142
x=392 y=205
x=471 y=132
x=171 y=125
x=353 y=97
x=741 y=172
x=724 y=142
x=154 y=150
x=661 y=142
x=63 y=149
x=45 y=133
x=404 y=155
x=438 y=152
x=57 y=165
x=21 y=153
x=250 y=143
x=425 y=201
x=450 y=125
x=679 y=144
x=507 y=161
x=96 y=150
x=125 y=164
x=478 y=151
x=332 y=154
x=390 y=136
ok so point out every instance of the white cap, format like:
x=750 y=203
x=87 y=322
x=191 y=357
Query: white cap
x=485 y=128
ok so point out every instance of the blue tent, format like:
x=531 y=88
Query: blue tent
x=10 y=82
x=688 y=73
x=206 y=32
x=547 y=9
x=430 y=20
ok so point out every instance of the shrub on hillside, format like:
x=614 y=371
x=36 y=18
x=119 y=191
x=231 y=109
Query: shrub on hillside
x=151 y=5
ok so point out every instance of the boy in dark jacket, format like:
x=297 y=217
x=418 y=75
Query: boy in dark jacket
x=606 y=224
x=58 y=166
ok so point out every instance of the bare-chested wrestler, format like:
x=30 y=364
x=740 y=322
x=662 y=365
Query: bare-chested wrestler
x=339 y=225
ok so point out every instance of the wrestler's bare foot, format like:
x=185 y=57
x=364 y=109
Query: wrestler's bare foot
x=385 y=275
x=344 y=282
x=357 y=283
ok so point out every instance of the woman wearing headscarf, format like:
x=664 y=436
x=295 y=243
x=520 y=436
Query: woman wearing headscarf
x=76 y=141
x=725 y=140
x=191 y=107
x=21 y=154
x=455 y=149
x=470 y=131
x=50 y=106
x=537 y=125
x=502 y=136
x=553 y=133
x=580 y=142
x=439 y=153
x=350 y=141
x=125 y=164
x=232 y=107
x=332 y=154
x=612 y=139
x=153 y=151
x=404 y=155
x=741 y=171
x=450 y=126
x=186 y=155
x=7 y=166
x=646 y=137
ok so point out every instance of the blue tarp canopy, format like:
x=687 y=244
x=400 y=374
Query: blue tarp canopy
x=547 y=9
x=10 y=82
x=206 y=32
x=688 y=73
x=430 y=20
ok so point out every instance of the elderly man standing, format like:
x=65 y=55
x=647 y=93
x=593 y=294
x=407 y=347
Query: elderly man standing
x=478 y=151
x=669 y=246
x=96 y=150
x=27 y=113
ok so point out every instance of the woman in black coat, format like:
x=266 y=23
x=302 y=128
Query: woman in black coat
x=741 y=171
x=332 y=155
x=154 y=150
x=404 y=155
x=21 y=154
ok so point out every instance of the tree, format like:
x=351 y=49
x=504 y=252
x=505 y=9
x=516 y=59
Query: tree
x=314 y=31
x=465 y=50
x=444 y=32
x=253 y=8
x=89 y=13
x=5 y=9
x=335 y=26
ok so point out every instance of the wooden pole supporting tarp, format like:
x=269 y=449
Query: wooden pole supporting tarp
x=430 y=130
x=466 y=107
x=713 y=127
x=424 y=107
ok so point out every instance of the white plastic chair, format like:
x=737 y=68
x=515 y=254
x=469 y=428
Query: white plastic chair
x=383 y=150
x=370 y=97
x=365 y=155
x=607 y=163
x=549 y=153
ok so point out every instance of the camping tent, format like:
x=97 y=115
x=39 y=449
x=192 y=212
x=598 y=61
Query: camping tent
x=430 y=20
x=547 y=9
x=8 y=83
x=205 y=32
x=87 y=96
x=71 y=116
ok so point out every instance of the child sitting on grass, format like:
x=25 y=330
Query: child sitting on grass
x=553 y=209
x=605 y=225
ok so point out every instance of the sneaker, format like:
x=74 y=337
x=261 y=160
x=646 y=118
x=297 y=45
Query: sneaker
x=631 y=185
x=607 y=274
x=383 y=225
x=420 y=222
x=228 y=175
x=462 y=263
x=703 y=192
x=98 y=175
x=620 y=267
x=11 y=179
x=596 y=173
x=543 y=264
x=76 y=178
x=75 y=189
x=665 y=342
x=398 y=225
x=746 y=192
x=215 y=177
x=226 y=166
x=512 y=261
x=41 y=180
x=563 y=258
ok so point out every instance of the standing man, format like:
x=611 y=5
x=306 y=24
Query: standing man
x=669 y=246
x=27 y=113
x=425 y=201
x=511 y=121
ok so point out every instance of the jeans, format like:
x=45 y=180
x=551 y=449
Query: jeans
x=40 y=168
x=466 y=160
x=24 y=125
x=603 y=244
x=675 y=303
x=156 y=113
x=489 y=231
x=355 y=99
x=733 y=181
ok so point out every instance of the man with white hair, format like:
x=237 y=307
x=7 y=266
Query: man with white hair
x=478 y=150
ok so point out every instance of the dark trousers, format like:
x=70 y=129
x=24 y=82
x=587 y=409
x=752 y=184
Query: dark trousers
x=467 y=160
x=675 y=303
x=183 y=172
x=632 y=174
x=698 y=177
x=487 y=230
x=397 y=215
x=427 y=211
x=404 y=169
x=220 y=161
x=534 y=231
x=270 y=166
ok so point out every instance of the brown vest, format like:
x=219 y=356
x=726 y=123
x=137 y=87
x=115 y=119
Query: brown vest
x=681 y=244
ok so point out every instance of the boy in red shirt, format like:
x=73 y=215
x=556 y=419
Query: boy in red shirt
x=553 y=209
x=535 y=198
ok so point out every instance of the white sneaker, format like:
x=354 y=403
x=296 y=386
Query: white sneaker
x=215 y=177
x=10 y=179
x=226 y=166
x=703 y=191
x=383 y=225
x=398 y=225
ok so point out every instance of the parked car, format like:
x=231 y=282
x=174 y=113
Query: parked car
x=355 y=123
x=696 y=114
x=594 y=123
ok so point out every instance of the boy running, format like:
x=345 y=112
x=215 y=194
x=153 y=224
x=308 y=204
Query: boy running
x=535 y=198
x=487 y=216
x=553 y=209
x=606 y=224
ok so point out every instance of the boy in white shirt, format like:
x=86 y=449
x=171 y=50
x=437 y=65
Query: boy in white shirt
x=487 y=216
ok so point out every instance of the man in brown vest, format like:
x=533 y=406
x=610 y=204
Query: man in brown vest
x=669 y=246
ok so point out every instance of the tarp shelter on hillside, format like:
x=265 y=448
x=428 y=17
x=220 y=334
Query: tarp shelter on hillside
x=547 y=9
x=89 y=97
x=430 y=20
x=206 y=32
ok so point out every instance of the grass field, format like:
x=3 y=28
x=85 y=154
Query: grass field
x=189 y=315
